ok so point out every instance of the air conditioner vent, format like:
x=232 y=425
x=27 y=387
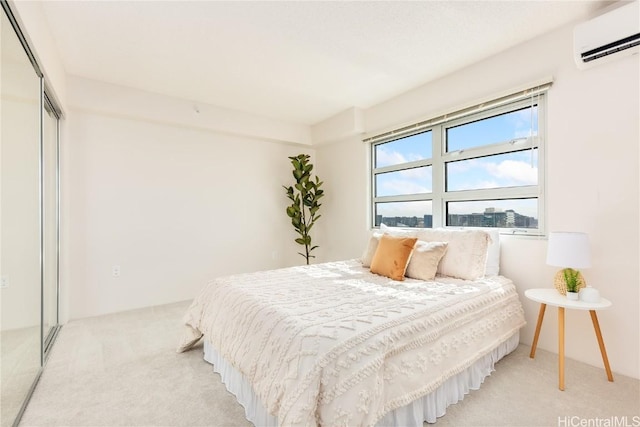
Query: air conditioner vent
x=611 y=48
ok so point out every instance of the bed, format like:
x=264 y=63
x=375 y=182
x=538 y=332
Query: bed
x=335 y=344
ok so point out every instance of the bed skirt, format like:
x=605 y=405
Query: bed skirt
x=428 y=408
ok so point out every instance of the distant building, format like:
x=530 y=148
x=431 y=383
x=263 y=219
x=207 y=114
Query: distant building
x=491 y=217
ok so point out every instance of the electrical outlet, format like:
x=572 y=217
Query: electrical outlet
x=115 y=271
x=4 y=282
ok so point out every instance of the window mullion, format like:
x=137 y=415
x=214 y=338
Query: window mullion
x=492 y=193
x=490 y=150
x=438 y=176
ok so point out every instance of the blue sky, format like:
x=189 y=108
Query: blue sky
x=504 y=170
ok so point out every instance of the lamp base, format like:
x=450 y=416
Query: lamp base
x=561 y=285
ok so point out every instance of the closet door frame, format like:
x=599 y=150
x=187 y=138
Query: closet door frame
x=47 y=100
x=48 y=336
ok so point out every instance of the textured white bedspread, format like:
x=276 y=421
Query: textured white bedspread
x=333 y=344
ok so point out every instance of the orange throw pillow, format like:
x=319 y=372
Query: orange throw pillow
x=392 y=256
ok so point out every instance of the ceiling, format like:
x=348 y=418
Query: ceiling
x=299 y=62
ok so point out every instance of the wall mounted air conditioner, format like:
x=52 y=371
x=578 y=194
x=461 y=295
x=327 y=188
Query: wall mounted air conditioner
x=613 y=34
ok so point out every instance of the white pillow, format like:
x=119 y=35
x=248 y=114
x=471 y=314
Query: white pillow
x=425 y=259
x=492 y=267
x=466 y=254
x=370 y=250
x=401 y=232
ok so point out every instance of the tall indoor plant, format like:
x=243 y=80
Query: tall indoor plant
x=304 y=195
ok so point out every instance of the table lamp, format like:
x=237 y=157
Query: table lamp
x=569 y=250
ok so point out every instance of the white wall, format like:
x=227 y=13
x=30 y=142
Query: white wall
x=174 y=206
x=343 y=230
x=592 y=182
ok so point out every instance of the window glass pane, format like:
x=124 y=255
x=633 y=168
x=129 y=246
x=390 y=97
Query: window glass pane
x=502 y=128
x=501 y=170
x=408 y=181
x=409 y=149
x=510 y=213
x=404 y=214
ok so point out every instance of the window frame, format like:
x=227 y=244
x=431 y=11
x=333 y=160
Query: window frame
x=439 y=196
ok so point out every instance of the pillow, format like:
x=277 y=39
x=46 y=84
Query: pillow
x=392 y=256
x=397 y=231
x=367 y=256
x=492 y=267
x=425 y=259
x=370 y=250
x=466 y=253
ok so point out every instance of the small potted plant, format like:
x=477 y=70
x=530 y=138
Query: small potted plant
x=572 y=282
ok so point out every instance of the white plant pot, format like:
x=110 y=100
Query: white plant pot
x=573 y=296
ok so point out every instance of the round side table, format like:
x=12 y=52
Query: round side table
x=549 y=296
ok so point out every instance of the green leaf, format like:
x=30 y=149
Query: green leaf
x=300 y=241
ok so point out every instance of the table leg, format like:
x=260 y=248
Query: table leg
x=603 y=351
x=561 y=347
x=534 y=345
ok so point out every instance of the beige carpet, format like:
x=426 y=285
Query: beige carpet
x=122 y=370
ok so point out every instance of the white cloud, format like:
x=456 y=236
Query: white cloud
x=463 y=166
x=484 y=184
x=514 y=172
x=386 y=158
x=392 y=187
x=423 y=173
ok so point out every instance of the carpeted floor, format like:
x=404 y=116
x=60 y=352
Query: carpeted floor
x=122 y=370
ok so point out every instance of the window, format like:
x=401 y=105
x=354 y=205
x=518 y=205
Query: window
x=482 y=168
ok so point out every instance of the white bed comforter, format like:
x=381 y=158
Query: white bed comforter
x=333 y=344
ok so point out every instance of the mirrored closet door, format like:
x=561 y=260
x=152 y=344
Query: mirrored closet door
x=29 y=221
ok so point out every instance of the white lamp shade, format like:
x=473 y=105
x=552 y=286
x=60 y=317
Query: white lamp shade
x=568 y=250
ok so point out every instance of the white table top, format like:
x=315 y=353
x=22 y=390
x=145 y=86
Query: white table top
x=551 y=296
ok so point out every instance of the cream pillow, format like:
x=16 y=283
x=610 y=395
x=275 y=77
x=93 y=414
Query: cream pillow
x=367 y=256
x=392 y=256
x=466 y=254
x=425 y=259
x=397 y=231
